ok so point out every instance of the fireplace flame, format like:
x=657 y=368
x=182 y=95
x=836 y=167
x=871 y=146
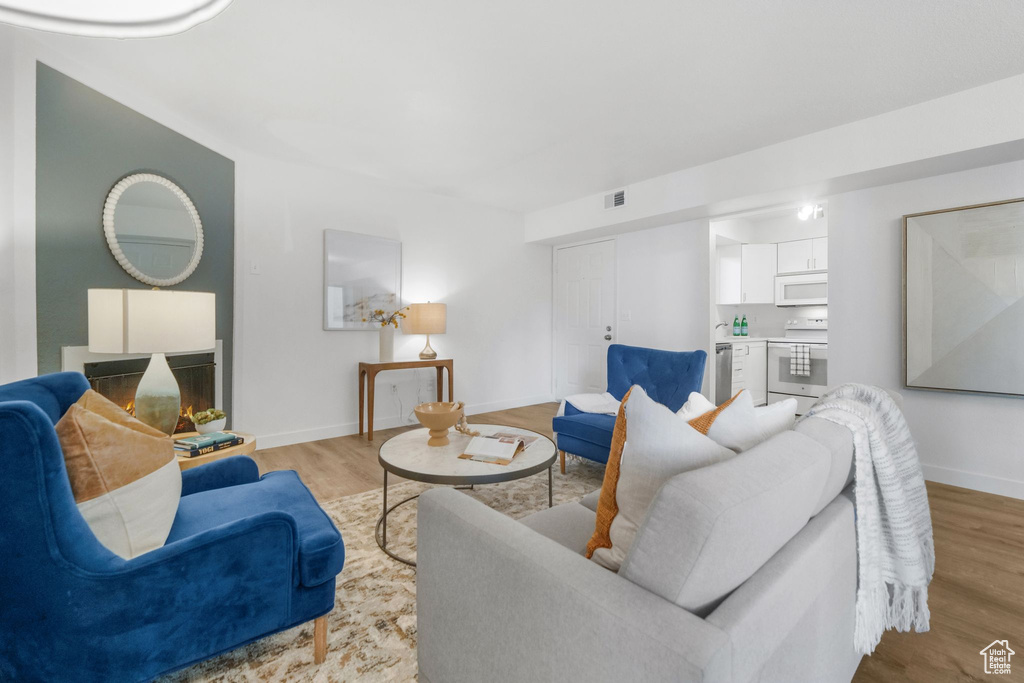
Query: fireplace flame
x=184 y=417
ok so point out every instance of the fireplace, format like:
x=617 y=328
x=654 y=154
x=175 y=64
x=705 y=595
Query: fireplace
x=196 y=374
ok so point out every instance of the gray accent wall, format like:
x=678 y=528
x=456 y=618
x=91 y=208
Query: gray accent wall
x=85 y=143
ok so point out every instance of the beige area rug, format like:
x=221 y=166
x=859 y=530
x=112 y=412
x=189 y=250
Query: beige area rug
x=372 y=630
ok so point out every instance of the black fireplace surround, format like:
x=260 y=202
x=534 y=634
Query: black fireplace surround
x=196 y=374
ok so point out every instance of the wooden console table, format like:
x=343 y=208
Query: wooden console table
x=368 y=374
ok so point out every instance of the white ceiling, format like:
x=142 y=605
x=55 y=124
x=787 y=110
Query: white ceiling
x=531 y=103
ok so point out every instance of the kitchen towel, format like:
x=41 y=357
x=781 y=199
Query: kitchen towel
x=800 y=360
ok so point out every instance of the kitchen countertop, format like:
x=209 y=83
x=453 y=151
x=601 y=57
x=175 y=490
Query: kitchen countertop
x=798 y=340
x=785 y=340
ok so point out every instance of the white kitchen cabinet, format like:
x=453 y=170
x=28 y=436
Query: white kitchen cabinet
x=750 y=370
x=795 y=257
x=756 y=369
x=730 y=274
x=803 y=256
x=819 y=253
x=757 y=265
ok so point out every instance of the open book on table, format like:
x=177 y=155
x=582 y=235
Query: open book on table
x=498 y=449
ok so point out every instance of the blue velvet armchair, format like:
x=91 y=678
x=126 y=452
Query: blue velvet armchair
x=247 y=556
x=668 y=377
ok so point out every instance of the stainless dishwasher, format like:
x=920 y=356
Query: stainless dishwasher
x=723 y=372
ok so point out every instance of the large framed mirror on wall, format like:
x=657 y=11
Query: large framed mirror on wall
x=153 y=229
x=963 y=299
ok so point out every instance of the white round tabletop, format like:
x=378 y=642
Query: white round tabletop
x=409 y=456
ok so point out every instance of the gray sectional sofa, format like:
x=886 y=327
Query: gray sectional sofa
x=745 y=570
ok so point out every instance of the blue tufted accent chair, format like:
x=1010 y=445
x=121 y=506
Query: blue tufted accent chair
x=247 y=556
x=667 y=376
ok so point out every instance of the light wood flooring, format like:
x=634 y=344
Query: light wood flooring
x=976 y=596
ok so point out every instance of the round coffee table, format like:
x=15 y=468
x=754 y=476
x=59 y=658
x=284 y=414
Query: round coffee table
x=409 y=456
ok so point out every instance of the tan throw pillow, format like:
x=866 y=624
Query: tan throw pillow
x=124 y=476
x=734 y=424
x=650 y=445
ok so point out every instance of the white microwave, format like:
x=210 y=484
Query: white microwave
x=810 y=289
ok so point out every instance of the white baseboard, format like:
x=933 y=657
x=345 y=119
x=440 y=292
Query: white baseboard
x=345 y=429
x=507 y=405
x=971 y=480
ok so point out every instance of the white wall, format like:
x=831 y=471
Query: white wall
x=663 y=287
x=292 y=380
x=296 y=382
x=17 y=211
x=964 y=439
x=7 y=260
x=787 y=229
x=663 y=284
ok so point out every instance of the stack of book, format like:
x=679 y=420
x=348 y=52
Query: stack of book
x=204 y=444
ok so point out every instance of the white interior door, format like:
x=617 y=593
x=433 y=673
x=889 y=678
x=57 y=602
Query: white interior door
x=584 y=316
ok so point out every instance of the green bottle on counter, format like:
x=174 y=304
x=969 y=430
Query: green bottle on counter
x=743 y=327
x=736 y=326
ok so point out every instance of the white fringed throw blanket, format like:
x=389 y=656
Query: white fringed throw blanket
x=896 y=554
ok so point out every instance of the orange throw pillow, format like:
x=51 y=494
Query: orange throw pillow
x=607 y=508
x=123 y=474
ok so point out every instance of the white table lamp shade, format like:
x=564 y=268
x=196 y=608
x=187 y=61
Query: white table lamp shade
x=426 y=319
x=151 y=321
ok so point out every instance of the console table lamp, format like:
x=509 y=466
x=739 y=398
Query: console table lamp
x=153 y=321
x=426 y=319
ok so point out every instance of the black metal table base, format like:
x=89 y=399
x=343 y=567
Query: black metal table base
x=380 y=532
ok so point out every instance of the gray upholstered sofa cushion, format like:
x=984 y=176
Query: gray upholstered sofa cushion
x=838 y=441
x=710 y=529
x=569 y=524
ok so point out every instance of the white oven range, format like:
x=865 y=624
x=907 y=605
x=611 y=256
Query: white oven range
x=782 y=383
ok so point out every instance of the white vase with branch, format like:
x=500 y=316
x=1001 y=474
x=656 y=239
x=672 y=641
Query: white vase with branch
x=388 y=324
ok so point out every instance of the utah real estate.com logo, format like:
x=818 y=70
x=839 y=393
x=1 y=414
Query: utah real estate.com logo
x=997 y=657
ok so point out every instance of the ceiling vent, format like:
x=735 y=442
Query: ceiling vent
x=614 y=200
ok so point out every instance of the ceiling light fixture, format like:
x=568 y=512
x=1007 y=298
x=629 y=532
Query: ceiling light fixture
x=808 y=211
x=118 y=19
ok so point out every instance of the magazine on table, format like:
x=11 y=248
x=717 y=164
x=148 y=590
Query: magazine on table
x=498 y=449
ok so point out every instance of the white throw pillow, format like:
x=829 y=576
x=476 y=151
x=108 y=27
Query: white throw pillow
x=776 y=418
x=773 y=418
x=733 y=424
x=658 y=446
